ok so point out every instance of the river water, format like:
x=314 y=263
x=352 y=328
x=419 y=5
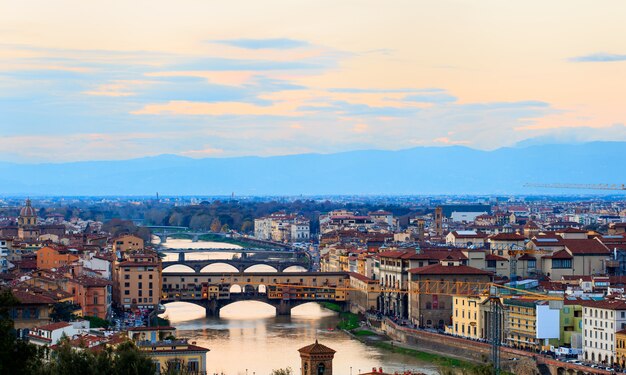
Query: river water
x=249 y=339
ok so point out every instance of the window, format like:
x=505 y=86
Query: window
x=561 y=263
x=491 y=264
x=127 y=292
x=126 y=277
x=532 y=263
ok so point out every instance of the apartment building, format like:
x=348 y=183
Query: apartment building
x=601 y=320
x=531 y=324
x=137 y=281
x=282 y=227
x=127 y=242
x=466 y=316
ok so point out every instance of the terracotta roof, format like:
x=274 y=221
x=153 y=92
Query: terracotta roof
x=586 y=247
x=27 y=298
x=526 y=257
x=363 y=278
x=439 y=269
x=495 y=257
x=571 y=230
x=561 y=254
x=157 y=328
x=531 y=225
x=54 y=326
x=608 y=304
x=316 y=348
x=507 y=237
x=468 y=235
x=91 y=281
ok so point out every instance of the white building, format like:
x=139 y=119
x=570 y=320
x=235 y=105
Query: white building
x=98 y=263
x=601 y=320
x=50 y=334
x=281 y=227
x=466 y=238
x=4 y=255
x=300 y=231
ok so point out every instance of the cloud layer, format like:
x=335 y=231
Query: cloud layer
x=78 y=83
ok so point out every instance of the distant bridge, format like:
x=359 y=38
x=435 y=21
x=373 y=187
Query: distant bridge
x=244 y=250
x=241 y=264
x=283 y=290
x=164 y=231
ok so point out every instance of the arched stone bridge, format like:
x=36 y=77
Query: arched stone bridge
x=241 y=264
x=283 y=290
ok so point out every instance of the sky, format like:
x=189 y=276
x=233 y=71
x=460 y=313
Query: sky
x=104 y=80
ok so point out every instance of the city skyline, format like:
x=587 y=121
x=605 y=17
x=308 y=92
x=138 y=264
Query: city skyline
x=119 y=81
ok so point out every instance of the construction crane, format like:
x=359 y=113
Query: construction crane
x=579 y=186
x=493 y=292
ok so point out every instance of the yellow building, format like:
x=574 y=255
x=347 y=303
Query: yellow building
x=521 y=323
x=364 y=294
x=137 y=281
x=466 y=317
x=620 y=348
x=169 y=354
x=127 y=243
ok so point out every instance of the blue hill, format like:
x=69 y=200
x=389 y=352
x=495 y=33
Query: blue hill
x=421 y=170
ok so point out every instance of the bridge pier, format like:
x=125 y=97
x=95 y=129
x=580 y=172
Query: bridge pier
x=195 y=238
x=181 y=257
x=284 y=308
x=212 y=308
x=163 y=238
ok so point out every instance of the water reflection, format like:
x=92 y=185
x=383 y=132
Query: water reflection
x=249 y=336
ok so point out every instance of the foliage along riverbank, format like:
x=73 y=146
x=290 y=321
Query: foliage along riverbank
x=351 y=323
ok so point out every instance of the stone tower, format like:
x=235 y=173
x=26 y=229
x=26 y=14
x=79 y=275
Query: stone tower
x=317 y=359
x=439 y=221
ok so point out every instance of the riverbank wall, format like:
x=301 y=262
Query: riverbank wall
x=473 y=351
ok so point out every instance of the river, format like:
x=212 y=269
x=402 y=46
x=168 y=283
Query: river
x=248 y=336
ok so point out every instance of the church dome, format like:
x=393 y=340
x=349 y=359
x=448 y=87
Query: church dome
x=28 y=210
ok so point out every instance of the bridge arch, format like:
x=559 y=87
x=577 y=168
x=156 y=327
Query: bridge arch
x=253 y=310
x=219 y=267
x=178 y=268
x=295 y=268
x=260 y=268
x=178 y=310
x=236 y=288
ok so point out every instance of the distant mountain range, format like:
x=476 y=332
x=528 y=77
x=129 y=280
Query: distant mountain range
x=420 y=170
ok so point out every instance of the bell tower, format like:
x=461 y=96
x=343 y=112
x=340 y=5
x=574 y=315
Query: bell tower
x=317 y=359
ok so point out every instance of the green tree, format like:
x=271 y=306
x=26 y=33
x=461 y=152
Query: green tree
x=63 y=311
x=16 y=356
x=247 y=226
x=131 y=361
x=282 y=371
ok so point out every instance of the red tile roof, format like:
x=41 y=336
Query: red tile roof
x=54 y=326
x=495 y=257
x=608 y=304
x=561 y=254
x=439 y=269
x=363 y=278
x=316 y=348
x=586 y=247
x=507 y=237
x=156 y=328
